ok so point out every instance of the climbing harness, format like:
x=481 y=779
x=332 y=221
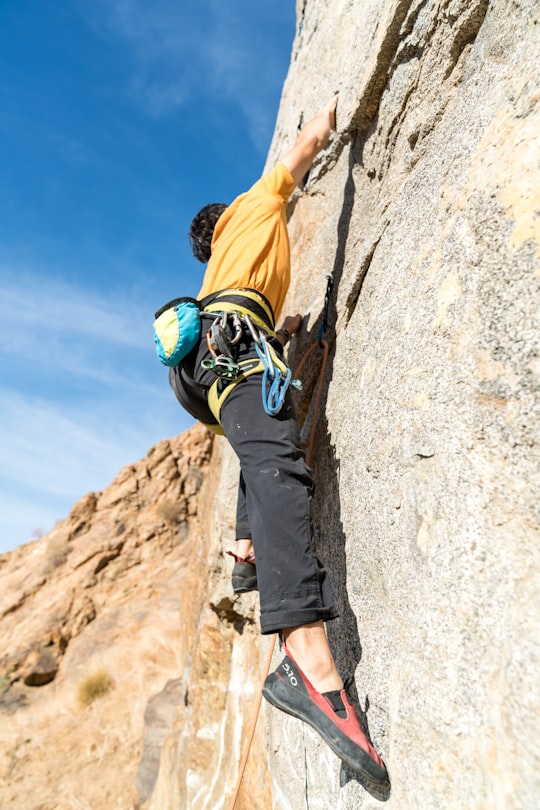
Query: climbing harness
x=232 y=310
x=322 y=344
x=244 y=301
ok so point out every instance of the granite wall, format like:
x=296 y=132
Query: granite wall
x=425 y=211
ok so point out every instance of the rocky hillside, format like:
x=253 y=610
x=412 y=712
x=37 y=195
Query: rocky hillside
x=425 y=212
x=113 y=634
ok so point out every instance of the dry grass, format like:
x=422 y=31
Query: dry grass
x=169 y=510
x=94 y=686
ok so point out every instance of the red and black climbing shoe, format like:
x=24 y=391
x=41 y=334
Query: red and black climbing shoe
x=244 y=573
x=330 y=714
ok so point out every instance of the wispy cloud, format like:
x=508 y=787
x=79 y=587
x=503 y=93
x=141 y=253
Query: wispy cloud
x=33 y=301
x=81 y=395
x=52 y=454
x=61 y=448
x=206 y=48
x=55 y=452
x=40 y=515
x=55 y=328
x=43 y=444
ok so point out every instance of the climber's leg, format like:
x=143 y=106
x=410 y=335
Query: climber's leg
x=294 y=589
x=244 y=548
x=293 y=584
x=309 y=644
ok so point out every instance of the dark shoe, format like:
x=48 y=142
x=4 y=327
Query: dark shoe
x=330 y=714
x=244 y=573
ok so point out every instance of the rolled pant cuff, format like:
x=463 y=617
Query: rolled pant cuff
x=242 y=533
x=280 y=619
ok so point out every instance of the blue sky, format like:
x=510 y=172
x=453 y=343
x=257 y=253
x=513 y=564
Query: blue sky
x=118 y=120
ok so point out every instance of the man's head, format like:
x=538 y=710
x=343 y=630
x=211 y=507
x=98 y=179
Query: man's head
x=202 y=230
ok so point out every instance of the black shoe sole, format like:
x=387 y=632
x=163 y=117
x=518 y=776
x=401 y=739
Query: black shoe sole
x=244 y=587
x=280 y=695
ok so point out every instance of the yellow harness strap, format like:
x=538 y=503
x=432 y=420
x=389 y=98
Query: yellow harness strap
x=220 y=389
x=217 y=429
x=245 y=302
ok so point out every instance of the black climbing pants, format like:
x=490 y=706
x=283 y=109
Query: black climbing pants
x=273 y=509
x=274 y=493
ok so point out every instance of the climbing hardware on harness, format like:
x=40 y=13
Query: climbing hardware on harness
x=274 y=383
x=276 y=376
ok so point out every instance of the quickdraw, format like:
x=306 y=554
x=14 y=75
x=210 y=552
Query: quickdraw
x=276 y=376
x=326 y=309
x=223 y=367
x=221 y=346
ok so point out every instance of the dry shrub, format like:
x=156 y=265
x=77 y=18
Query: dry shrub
x=169 y=510
x=56 y=553
x=4 y=684
x=94 y=686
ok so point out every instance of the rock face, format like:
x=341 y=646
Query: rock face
x=425 y=211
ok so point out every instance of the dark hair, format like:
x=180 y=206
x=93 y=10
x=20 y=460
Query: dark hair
x=202 y=230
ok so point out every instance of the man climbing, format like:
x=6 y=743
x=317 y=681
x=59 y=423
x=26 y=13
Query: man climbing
x=246 y=247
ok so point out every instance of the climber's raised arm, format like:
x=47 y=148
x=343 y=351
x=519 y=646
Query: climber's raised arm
x=311 y=139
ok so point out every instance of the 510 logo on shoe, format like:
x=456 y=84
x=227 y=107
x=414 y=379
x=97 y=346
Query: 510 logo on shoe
x=290 y=674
